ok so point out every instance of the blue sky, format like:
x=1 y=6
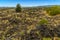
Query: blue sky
x=24 y=3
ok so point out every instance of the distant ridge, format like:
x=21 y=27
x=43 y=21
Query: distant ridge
x=6 y=7
x=41 y=6
x=31 y=6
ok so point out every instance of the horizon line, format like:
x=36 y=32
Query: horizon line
x=31 y=6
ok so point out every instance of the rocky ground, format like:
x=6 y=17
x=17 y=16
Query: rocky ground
x=14 y=25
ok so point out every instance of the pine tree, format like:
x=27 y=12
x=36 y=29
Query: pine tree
x=18 y=8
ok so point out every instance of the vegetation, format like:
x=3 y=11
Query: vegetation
x=18 y=8
x=43 y=21
x=53 y=10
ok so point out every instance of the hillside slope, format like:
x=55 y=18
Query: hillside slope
x=14 y=25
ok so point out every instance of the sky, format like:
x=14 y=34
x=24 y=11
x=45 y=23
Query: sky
x=28 y=3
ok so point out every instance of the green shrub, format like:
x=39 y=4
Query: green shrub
x=54 y=10
x=18 y=8
x=43 y=21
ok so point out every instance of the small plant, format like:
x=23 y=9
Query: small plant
x=43 y=21
x=18 y=8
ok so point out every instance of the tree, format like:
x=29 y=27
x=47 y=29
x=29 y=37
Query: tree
x=18 y=8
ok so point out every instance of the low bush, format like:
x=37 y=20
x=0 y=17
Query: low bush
x=54 y=10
